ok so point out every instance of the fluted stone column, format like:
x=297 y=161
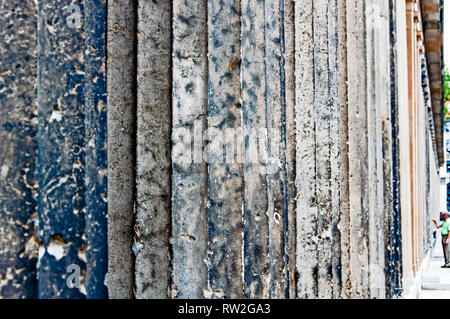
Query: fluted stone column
x=18 y=185
x=189 y=170
x=121 y=82
x=71 y=141
x=213 y=149
x=153 y=163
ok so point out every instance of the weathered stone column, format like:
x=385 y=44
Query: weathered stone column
x=324 y=18
x=96 y=148
x=338 y=140
x=280 y=103
x=357 y=150
x=71 y=139
x=321 y=139
x=245 y=149
x=153 y=179
x=121 y=66
x=343 y=224
x=61 y=150
x=18 y=185
x=225 y=181
x=189 y=169
x=289 y=147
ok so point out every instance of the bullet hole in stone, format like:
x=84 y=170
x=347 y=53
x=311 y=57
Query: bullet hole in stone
x=76 y=149
x=116 y=27
x=277 y=217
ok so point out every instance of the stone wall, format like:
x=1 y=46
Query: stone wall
x=323 y=221
x=207 y=149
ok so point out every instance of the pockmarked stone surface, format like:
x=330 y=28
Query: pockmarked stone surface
x=218 y=149
x=121 y=109
x=18 y=185
x=71 y=149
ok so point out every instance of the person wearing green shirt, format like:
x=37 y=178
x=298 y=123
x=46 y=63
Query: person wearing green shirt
x=444 y=226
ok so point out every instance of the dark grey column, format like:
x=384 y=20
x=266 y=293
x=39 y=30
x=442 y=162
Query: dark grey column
x=18 y=242
x=357 y=149
x=189 y=169
x=153 y=216
x=121 y=66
